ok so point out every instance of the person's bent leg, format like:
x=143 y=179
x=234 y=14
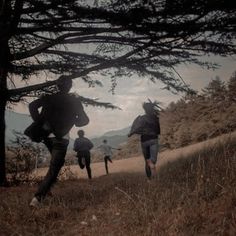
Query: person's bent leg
x=106 y=165
x=49 y=144
x=152 y=168
x=146 y=155
x=154 y=147
x=87 y=164
x=109 y=159
x=57 y=161
x=80 y=161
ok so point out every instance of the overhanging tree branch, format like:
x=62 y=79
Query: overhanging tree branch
x=107 y=64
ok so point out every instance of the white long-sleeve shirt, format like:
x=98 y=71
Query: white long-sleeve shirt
x=106 y=149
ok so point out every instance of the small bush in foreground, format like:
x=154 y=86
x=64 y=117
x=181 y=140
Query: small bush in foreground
x=21 y=160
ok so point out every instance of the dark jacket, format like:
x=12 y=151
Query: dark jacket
x=60 y=112
x=146 y=125
x=82 y=144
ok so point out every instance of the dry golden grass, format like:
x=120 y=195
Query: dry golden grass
x=190 y=196
x=135 y=163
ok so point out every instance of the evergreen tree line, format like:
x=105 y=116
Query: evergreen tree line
x=206 y=114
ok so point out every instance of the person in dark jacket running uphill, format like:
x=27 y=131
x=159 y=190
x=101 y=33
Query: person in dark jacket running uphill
x=148 y=127
x=82 y=146
x=60 y=111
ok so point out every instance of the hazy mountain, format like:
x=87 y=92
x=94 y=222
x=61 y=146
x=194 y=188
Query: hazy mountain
x=114 y=137
x=15 y=122
x=120 y=132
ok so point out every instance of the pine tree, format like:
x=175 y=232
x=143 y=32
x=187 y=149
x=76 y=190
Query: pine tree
x=232 y=88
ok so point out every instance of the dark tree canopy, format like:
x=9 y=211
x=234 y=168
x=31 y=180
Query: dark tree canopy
x=145 y=37
x=42 y=40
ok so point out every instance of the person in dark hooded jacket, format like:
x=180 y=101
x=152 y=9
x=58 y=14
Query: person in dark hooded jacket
x=148 y=127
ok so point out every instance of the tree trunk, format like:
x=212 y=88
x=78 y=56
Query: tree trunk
x=7 y=24
x=3 y=180
x=3 y=102
x=4 y=65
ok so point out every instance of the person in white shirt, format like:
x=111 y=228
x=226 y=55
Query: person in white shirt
x=107 y=152
x=148 y=127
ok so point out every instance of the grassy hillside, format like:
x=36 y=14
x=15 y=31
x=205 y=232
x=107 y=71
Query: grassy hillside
x=192 y=196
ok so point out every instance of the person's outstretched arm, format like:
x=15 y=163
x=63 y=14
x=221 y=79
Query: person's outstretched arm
x=75 y=148
x=90 y=145
x=116 y=148
x=33 y=109
x=130 y=134
x=81 y=117
x=137 y=126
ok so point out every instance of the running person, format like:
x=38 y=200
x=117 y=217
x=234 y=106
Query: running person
x=59 y=112
x=107 y=152
x=148 y=127
x=82 y=146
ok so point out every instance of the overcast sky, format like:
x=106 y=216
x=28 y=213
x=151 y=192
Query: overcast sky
x=130 y=93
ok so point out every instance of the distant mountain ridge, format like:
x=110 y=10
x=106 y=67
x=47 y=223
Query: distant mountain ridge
x=15 y=122
x=114 y=137
x=120 y=132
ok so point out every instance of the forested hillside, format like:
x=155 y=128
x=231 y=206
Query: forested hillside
x=204 y=115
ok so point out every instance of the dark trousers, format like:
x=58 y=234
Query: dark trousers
x=85 y=155
x=146 y=155
x=57 y=148
x=106 y=159
x=150 y=152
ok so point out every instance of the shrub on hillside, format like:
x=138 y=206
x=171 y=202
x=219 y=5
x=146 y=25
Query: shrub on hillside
x=22 y=159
